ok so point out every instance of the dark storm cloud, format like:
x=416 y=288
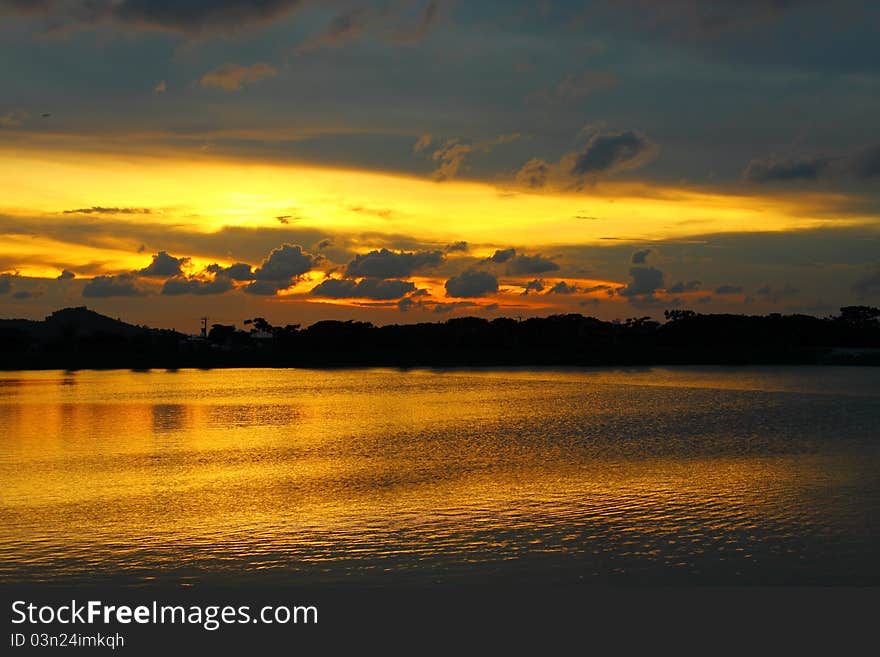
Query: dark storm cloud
x=390 y=264
x=533 y=286
x=773 y=169
x=66 y=275
x=240 y=271
x=501 y=255
x=610 y=153
x=121 y=285
x=681 y=286
x=859 y=164
x=638 y=258
x=728 y=289
x=563 y=288
x=868 y=285
x=164 y=265
x=367 y=288
x=181 y=285
x=187 y=16
x=471 y=283
x=285 y=263
x=645 y=281
x=526 y=264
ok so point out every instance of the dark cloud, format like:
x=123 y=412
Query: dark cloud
x=343 y=27
x=456 y=246
x=865 y=163
x=562 y=288
x=533 y=286
x=728 y=289
x=772 y=169
x=121 y=285
x=181 y=285
x=266 y=288
x=285 y=263
x=379 y=289
x=526 y=264
x=66 y=275
x=240 y=271
x=868 y=285
x=501 y=255
x=391 y=264
x=323 y=244
x=645 y=281
x=99 y=209
x=21 y=295
x=471 y=283
x=681 y=286
x=612 y=152
x=164 y=265
x=638 y=258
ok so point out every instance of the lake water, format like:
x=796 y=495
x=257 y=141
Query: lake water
x=371 y=477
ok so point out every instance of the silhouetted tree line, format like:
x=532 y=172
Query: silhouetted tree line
x=80 y=338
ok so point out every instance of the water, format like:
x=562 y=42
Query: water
x=377 y=477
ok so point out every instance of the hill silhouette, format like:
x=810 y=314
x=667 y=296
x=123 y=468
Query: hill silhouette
x=78 y=338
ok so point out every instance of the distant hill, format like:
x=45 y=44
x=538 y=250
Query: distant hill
x=77 y=338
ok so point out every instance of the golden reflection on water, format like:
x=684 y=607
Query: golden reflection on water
x=725 y=475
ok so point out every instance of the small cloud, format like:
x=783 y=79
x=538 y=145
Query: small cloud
x=240 y=271
x=608 y=153
x=121 y=285
x=728 y=289
x=533 y=286
x=99 y=209
x=422 y=143
x=644 y=282
x=681 y=286
x=232 y=77
x=379 y=289
x=13 y=119
x=639 y=257
x=183 y=285
x=164 y=265
x=563 y=288
x=471 y=283
x=456 y=247
x=391 y=264
x=160 y=88
x=65 y=275
x=501 y=255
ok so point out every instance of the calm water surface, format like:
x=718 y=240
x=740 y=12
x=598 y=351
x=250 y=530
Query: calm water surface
x=667 y=476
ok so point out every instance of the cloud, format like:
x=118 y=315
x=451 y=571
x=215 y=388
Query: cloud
x=728 y=289
x=563 y=288
x=645 y=281
x=342 y=28
x=452 y=153
x=286 y=262
x=605 y=154
x=99 y=209
x=379 y=289
x=456 y=246
x=861 y=164
x=25 y=294
x=240 y=271
x=164 y=265
x=182 y=285
x=422 y=143
x=575 y=86
x=66 y=275
x=534 y=173
x=608 y=153
x=427 y=18
x=232 y=77
x=681 y=286
x=6 y=283
x=183 y=16
x=868 y=285
x=161 y=87
x=526 y=264
x=501 y=255
x=279 y=270
x=391 y=264
x=638 y=258
x=121 y=285
x=533 y=286
x=773 y=169
x=471 y=283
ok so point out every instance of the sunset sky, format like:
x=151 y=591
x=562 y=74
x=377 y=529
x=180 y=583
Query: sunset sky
x=410 y=160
